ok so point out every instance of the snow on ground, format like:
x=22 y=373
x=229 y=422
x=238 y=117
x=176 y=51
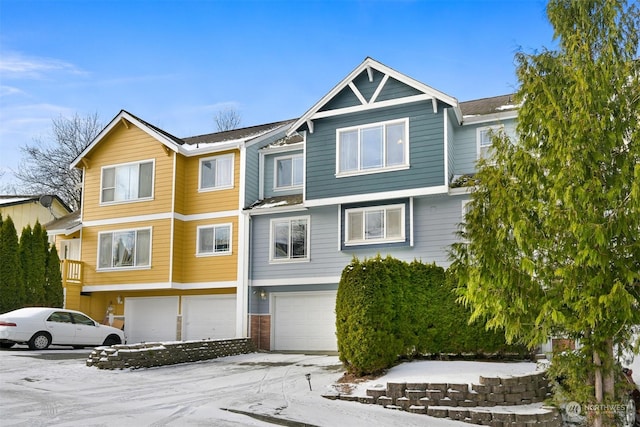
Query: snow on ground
x=55 y=388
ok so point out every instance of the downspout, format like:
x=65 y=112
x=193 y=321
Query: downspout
x=242 y=287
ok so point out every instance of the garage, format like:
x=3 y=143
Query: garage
x=208 y=317
x=150 y=319
x=304 y=321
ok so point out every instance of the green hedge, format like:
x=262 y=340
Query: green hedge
x=387 y=309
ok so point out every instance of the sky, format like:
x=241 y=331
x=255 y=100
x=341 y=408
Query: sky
x=176 y=64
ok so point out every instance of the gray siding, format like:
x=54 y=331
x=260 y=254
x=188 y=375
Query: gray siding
x=426 y=145
x=436 y=220
x=451 y=125
x=466 y=146
x=252 y=181
x=269 y=166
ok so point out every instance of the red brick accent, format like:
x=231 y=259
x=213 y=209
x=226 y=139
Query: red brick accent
x=261 y=331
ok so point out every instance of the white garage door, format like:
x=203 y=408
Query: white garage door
x=150 y=319
x=304 y=321
x=208 y=317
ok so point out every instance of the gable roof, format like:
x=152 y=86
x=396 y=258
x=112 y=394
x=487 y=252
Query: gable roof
x=189 y=146
x=492 y=108
x=66 y=225
x=13 y=200
x=370 y=64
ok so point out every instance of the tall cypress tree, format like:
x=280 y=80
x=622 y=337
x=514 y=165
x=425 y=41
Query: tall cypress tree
x=54 y=294
x=12 y=293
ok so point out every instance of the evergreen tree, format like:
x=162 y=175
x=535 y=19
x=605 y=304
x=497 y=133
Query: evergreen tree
x=552 y=240
x=11 y=281
x=32 y=262
x=54 y=293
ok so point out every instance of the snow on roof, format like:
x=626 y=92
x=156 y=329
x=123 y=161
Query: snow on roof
x=12 y=200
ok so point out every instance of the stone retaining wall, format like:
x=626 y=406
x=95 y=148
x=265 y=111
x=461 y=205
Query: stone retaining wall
x=470 y=403
x=146 y=355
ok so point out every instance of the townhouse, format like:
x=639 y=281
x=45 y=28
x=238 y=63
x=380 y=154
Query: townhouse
x=246 y=232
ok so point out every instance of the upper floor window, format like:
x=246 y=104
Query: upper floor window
x=485 y=143
x=375 y=224
x=124 y=249
x=373 y=148
x=288 y=172
x=290 y=239
x=216 y=172
x=127 y=182
x=214 y=240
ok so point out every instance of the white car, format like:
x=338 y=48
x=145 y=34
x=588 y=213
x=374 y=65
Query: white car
x=39 y=327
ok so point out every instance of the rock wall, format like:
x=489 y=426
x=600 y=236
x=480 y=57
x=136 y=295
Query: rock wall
x=146 y=355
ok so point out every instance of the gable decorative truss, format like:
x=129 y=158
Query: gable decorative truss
x=370 y=65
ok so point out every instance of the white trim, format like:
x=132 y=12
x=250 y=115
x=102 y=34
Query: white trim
x=411 y=221
x=384 y=168
x=307 y=258
x=369 y=107
x=242 y=265
x=304 y=166
x=479 y=131
x=379 y=88
x=277 y=210
x=119 y=165
x=261 y=175
x=282 y=148
x=357 y=93
x=229 y=251
x=414 y=192
x=485 y=118
x=205 y=216
x=315 y=280
x=172 y=227
x=373 y=64
x=128 y=219
x=458 y=191
x=293 y=186
x=380 y=240
x=131 y=267
x=446 y=145
x=159 y=285
x=339 y=227
x=217 y=187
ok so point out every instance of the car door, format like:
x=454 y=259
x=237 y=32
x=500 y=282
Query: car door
x=87 y=333
x=60 y=326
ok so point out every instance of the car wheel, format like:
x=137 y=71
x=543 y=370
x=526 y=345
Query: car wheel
x=40 y=341
x=7 y=344
x=111 y=340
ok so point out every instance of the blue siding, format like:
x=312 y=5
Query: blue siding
x=426 y=145
x=394 y=89
x=465 y=146
x=252 y=181
x=269 y=166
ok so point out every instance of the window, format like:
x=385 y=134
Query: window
x=290 y=239
x=377 y=224
x=485 y=143
x=216 y=173
x=373 y=148
x=288 y=172
x=214 y=240
x=124 y=249
x=127 y=182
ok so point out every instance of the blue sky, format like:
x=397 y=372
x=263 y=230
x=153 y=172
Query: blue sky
x=176 y=63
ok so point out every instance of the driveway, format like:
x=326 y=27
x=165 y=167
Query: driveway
x=55 y=388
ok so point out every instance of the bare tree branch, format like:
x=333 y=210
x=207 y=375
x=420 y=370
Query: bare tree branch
x=227 y=119
x=44 y=168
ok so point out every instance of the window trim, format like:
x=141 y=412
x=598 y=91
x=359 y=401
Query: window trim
x=126 y=268
x=272 y=258
x=275 y=172
x=384 y=168
x=383 y=240
x=139 y=199
x=221 y=187
x=479 y=131
x=214 y=253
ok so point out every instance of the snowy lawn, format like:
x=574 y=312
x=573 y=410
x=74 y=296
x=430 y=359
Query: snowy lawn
x=55 y=388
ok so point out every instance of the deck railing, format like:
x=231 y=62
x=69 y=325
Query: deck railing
x=71 y=271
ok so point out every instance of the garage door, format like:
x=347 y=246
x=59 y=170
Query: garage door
x=208 y=317
x=304 y=321
x=150 y=319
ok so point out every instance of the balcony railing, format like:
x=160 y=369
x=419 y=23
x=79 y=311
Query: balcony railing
x=71 y=271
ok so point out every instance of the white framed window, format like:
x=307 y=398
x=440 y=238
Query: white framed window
x=484 y=142
x=216 y=173
x=288 y=172
x=213 y=240
x=372 y=148
x=375 y=224
x=127 y=182
x=124 y=249
x=289 y=239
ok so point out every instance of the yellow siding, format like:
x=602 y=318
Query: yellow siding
x=124 y=145
x=209 y=201
x=160 y=245
x=181 y=195
x=178 y=251
x=218 y=268
x=25 y=214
